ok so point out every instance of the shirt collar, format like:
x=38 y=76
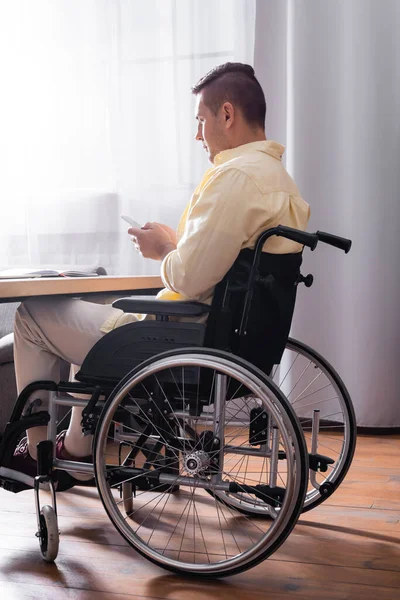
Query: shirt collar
x=267 y=146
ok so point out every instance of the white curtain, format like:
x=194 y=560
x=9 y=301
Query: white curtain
x=97 y=120
x=331 y=72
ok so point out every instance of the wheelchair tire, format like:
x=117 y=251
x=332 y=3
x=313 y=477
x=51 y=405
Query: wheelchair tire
x=48 y=534
x=190 y=531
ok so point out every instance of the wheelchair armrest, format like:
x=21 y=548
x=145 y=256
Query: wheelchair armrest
x=154 y=306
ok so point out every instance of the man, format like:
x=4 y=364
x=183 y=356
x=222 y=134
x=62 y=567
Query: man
x=246 y=191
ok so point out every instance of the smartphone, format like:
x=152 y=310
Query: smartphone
x=131 y=221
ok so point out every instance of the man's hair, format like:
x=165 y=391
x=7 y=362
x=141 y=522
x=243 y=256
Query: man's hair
x=235 y=83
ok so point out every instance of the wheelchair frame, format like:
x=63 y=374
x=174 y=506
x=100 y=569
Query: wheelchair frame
x=172 y=445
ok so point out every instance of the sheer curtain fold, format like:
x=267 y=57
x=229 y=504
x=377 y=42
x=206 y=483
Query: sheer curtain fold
x=331 y=71
x=97 y=120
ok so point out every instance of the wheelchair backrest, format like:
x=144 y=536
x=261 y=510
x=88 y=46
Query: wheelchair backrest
x=255 y=329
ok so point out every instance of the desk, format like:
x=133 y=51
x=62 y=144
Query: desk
x=15 y=290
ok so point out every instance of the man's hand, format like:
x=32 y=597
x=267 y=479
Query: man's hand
x=171 y=232
x=153 y=240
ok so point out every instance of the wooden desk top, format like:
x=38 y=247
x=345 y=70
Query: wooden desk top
x=18 y=289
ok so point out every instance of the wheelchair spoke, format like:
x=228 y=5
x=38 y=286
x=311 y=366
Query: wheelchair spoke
x=127 y=429
x=298 y=380
x=301 y=397
x=136 y=478
x=157 y=429
x=153 y=499
x=167 y=402
x=162 y=495
x=219 y=513
x=316 y=403
x=326 y=447
x=253 y=524
x=202 y=534
x=191 y=501
x=235 y=393
x=160 y=412
x=278 y=367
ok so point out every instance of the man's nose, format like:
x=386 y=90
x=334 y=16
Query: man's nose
x=198 y=135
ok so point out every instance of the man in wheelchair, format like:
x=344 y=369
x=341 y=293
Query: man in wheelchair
x=245 y=191
x=208 y=420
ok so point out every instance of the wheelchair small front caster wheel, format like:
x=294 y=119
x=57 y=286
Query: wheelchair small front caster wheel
x=48 y=533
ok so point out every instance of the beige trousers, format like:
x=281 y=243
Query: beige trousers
x=47 y=329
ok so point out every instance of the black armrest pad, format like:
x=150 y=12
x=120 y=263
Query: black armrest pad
x=153 y=306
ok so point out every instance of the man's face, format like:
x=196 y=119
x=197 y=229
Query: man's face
x=210 y=129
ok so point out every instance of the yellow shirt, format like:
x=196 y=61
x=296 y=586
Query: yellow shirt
x=245 y=192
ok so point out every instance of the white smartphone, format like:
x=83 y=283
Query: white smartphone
x=131 y=221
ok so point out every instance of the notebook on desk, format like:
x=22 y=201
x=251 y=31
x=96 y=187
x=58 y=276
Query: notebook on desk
x=23 y=273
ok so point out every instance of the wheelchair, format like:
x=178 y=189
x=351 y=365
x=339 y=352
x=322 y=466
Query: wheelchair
x=210 y=439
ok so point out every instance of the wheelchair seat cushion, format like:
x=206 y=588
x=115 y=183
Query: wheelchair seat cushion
x=118 y=352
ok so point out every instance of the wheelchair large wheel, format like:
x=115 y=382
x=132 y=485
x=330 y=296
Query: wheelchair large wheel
x=191 y=422
x=324 y=408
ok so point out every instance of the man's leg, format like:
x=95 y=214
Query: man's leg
x=45 y=330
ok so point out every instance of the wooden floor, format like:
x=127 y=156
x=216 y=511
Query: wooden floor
x=347 y=548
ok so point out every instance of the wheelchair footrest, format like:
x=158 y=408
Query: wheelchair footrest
x=319 y=462
x=13 y=432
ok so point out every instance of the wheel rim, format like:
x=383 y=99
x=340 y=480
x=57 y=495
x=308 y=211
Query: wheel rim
x=183 y=531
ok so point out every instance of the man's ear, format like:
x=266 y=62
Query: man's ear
x=228 y=112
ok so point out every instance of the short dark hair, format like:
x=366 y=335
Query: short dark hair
x=235 y=83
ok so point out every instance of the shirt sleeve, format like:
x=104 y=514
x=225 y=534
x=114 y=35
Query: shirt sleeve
x=218 y=224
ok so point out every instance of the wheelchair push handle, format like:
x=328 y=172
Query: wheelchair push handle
x=306 y=239
x=311 y=239
x=334 y=240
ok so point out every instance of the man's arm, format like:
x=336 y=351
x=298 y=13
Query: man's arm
x=154 y=240
x=218 y=224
